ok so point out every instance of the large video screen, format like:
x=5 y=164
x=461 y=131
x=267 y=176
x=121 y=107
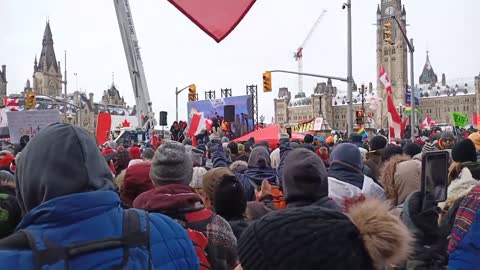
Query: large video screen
x=214 y=108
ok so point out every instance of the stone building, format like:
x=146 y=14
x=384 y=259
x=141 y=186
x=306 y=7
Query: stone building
x=112 y=96
x=436 y=98
x=47 y=75
x=3 y=81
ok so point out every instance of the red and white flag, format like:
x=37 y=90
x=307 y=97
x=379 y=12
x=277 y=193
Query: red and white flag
x=198 y=123
x=427 y=123
x=107 y=122
x=385 y=80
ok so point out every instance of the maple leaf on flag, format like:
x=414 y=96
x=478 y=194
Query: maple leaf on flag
x=125 y=123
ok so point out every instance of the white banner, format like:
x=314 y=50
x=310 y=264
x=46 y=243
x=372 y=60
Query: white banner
x=121 y=121
x=30 y=122
x=318 y=124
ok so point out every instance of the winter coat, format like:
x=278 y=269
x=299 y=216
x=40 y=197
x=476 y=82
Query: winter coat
x=96 y=215
x=400 y=176
x=238 y=226
x=252 y=174
x=347 y=183
x=464 y=241
x=176 y=200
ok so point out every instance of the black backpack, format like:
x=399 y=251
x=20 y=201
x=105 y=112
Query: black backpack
x=132 y=237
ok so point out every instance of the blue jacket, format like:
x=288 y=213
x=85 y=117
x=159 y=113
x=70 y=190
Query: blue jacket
x=95 y=215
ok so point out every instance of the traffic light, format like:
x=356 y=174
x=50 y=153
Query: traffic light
x=359 y=116
x=30 y=100
x=192 y=93
x=267 y=81
x=387 y=32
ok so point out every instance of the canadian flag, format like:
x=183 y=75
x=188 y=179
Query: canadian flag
x=397 y=126
x=198 y=123
x=385 y=80
x=107 y=122
x=427 y=123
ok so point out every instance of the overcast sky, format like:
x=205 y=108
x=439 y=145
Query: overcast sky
x=177 y=53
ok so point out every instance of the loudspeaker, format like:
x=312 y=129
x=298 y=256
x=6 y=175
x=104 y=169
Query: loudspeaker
x=163 y=119
x=229 y=113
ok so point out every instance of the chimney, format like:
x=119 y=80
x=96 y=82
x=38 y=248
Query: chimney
x=444 y=80
x=370 y=87
x=4 y=72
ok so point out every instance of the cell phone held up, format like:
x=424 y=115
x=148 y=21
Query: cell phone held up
x=435 y=174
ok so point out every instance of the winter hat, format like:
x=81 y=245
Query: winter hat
x=259 y=158
x=187 y=141
x=428 y=147
x=369 y=238
x=211 y=178
x=136 y=181
x=224 y=140
x=378 y=142
x=448 y=135
x=172 y=164
x=464 y=151
x=7 y=177
x=411 y=149
x=347 y=153
x=304 y=177
x=239 y=166
x=5 y=162
x=308 y=138
x=134 y=161
x=230 y=198
x=197 y=177
x=233 y=148
x=148 y=154
x=475 y=137
x=363 y=153
x=196 y=154
x=135 y=152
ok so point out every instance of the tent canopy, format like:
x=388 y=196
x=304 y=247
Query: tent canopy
x=270 y=134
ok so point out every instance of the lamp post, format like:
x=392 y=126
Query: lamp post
x=348 y=6
x=177 y=92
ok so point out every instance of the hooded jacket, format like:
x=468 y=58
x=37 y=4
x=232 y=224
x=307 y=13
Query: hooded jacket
x=305 y=180
x=259 y=168
x=176 y=200
x=66 y=192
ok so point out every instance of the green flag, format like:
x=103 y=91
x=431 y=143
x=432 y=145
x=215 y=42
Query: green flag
x=459 y=119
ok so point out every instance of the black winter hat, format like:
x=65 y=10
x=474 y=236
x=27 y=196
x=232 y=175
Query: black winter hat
x=378 y=142
x=230 y=198
x=464 y=151
x=308 y=138
x=411 y=149
x=318 y=238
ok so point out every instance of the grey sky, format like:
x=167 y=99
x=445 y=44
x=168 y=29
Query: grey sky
x=177 y=53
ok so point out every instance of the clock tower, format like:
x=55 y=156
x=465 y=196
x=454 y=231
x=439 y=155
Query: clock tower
x=392 y=56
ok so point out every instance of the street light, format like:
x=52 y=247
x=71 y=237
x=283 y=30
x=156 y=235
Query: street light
x=76 y=81
x=177 y=92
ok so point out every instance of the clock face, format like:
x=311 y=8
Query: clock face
x=390 y=11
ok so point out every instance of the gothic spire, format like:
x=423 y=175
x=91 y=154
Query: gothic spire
x=428 y=75
x=47 y=57
x=378 y=10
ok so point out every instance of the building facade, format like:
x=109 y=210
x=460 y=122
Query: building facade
x=47 y=75
x=436 y=98
x=3 y=81
x=112 y=96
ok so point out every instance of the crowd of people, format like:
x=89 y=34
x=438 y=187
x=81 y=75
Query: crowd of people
x=351 y=204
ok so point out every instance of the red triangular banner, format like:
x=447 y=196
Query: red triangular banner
x=217 y=18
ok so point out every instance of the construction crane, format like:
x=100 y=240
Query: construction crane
x=298 y=55
x=144 y=111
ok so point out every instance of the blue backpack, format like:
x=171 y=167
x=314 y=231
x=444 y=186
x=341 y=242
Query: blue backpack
x=132 y=237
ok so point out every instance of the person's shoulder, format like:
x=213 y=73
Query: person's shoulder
x=220 y=231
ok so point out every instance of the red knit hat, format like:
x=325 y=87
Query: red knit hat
x=137 y=180
x=135 y=152
x=6 y=160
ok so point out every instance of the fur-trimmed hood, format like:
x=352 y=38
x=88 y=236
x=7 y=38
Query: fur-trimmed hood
x=459 y=188
x=400 y=176
x=387 y=240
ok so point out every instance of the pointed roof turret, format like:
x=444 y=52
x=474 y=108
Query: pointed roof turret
x=428 y=75
x=404 y=11
x=47 y=57
x=379 y=12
